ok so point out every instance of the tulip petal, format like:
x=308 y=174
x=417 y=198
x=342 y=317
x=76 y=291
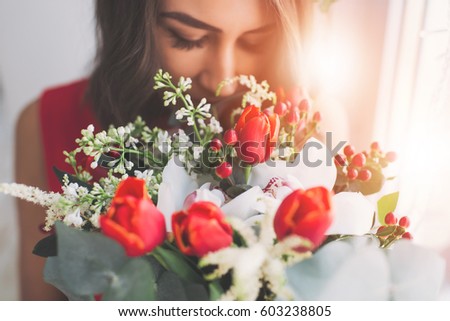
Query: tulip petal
x=353 y=214
x=244 y=205
x=175 y=186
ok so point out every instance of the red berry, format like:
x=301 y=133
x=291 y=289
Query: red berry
x=404 y=222
x=365 y=175
x=349 y=150
x=224 y=170
x=293 y=116
x=390 y=219
x=359 y=160
x=215 y=145
x=280 y=109
x=340 y=159
x=391 y=156
x=381 y=228
x=352 y=173
x=375 y=146
x=230 y=137
x=407 y=236
x=304 y=106
x=317 y=117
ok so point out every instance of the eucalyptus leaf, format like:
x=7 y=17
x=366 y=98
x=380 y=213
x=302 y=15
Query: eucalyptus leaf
x=46 y=247
x=354 y=269
x=416 y=273
x=134 y=282
x=172 y=288
x=89 y=261
x=387 y=204
x=54 y=276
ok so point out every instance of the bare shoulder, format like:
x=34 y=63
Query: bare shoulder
x=30 y=170
x=29 y=147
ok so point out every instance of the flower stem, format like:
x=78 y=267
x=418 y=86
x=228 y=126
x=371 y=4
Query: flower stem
x=247 y=171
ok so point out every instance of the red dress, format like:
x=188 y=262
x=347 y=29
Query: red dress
x=63 y=114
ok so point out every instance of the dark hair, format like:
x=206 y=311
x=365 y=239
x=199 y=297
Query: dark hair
x=121 y=85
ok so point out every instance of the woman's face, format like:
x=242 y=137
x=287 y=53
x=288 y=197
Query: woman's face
x=210 y=41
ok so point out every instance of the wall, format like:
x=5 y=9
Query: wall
x=42 y=43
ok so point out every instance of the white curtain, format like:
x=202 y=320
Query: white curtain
x=413 y=113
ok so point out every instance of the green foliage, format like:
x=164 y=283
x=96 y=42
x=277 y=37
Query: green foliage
x=387 y=204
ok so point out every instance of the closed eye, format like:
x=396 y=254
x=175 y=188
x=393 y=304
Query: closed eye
x=182 y=43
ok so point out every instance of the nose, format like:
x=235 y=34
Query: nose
x=220 y=65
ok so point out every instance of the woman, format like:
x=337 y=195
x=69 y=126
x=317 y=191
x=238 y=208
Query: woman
x=205 y=40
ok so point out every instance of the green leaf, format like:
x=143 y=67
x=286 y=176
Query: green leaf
x=171 y=287
x=386 y=204
x=388 y=230
x=60 y=174
x=53 y=275
x=352 y=269
x=373 y=185
x=89 y=261
x=236 y=190
x=46 y=247
x=179 y=264
x=215 y=290
x=134 y=282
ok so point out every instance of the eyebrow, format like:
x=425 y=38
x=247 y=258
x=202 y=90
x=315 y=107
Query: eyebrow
x=188 y=20
x=195 y=23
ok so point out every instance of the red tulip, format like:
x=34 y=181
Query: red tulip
x=133 y=220
x=305 y=213
x=201 y=229
x=257 y=135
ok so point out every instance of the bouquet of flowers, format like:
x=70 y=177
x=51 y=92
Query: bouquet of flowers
x=261 y=211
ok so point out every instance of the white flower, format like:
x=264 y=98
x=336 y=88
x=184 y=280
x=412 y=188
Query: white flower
x=244 y=205
x=309 y=168
x=74 y=218
x=121 y=131
x=175 y=186
x=197 y=152
x=164 y=142
x=214 y=126
x=185 y=83
x=169 y=98
x=204 y=193
x=203 y=108
x=71 y=189
x=90 y=128
x=261 y=262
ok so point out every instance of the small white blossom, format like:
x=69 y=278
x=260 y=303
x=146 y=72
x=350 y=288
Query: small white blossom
x=74 y=218
x=214 y=126
x=185 y=83
x=197 y=152
x=121 y=131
